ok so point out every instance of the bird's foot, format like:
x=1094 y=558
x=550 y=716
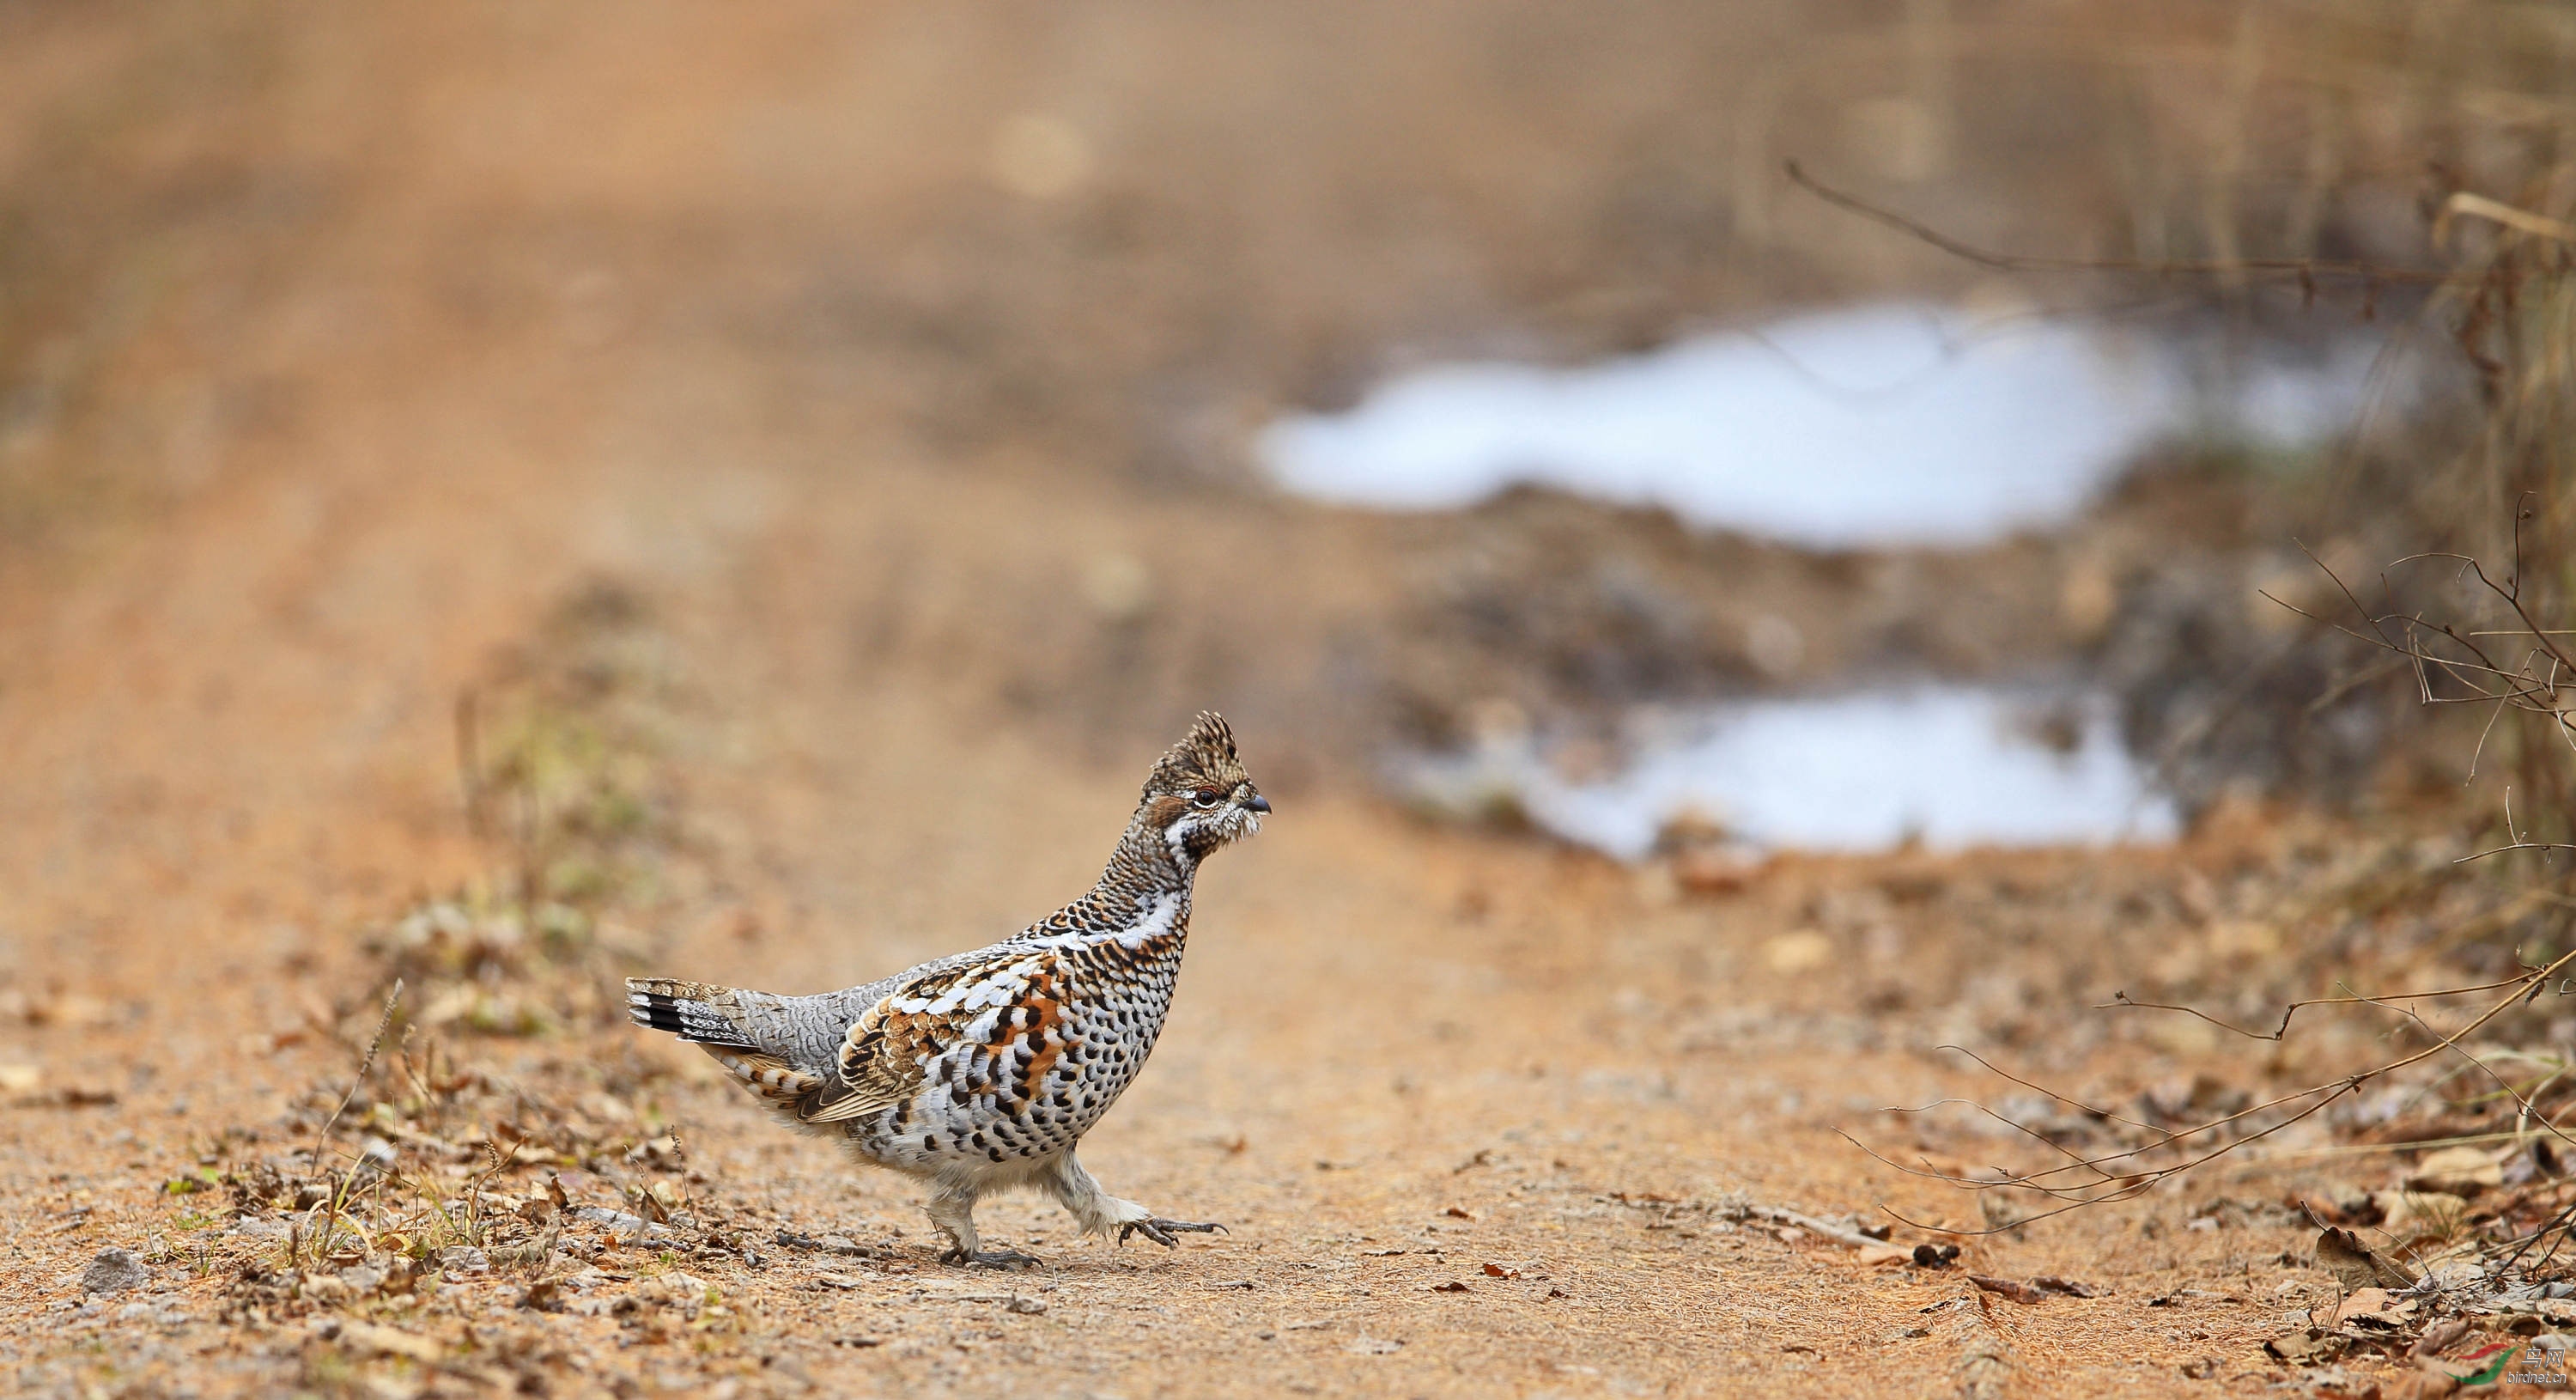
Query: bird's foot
x=1160 y=1231
x=992 y=1259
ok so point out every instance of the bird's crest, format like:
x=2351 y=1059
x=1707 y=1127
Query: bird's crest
x=1204 y=756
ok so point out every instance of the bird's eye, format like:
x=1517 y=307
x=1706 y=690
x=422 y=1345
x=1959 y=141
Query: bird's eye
x=1207 y=797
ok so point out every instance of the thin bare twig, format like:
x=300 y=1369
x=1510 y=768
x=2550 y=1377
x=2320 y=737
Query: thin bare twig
x=2122 y=999
x=2129 y=1184
x=2518 y=843
x=2300 y=270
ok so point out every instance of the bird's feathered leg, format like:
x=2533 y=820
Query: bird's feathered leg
x=952 y=1209
x=1099 y=1213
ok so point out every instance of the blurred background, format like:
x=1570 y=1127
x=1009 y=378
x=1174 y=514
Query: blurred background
x=1131 y=343
x=509 y=495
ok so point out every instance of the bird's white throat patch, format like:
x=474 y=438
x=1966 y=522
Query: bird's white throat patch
x=1160 y=918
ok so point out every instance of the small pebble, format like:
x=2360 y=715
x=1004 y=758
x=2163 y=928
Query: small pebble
x=114 y=1271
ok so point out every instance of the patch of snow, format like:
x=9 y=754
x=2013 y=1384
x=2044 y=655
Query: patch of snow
x=1951 y=766
x=1875 y=426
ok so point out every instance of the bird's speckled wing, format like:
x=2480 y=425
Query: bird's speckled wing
x=992 y=1024
x=987 y=1022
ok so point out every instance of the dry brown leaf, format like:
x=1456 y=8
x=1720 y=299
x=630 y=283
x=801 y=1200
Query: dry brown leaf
x=2457 y=1171
x=2438 y=1338
x=2356 y=1265
x=2372 y=1305
x=2014 y=1289
x=2314 y=1347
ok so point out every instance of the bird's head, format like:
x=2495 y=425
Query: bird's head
x=1198 y=797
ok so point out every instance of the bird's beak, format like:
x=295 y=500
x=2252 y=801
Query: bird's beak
x=1257 y=803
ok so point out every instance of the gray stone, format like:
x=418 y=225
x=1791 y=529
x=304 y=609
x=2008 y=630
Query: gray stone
x=114 y=1271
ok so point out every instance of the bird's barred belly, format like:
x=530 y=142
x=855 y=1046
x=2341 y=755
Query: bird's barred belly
x=1018 y=1100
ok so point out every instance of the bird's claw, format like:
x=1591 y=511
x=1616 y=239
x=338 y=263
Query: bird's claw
x=992 y=1259
x=1160 y=1231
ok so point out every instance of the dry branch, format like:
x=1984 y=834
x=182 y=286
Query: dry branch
x=2121 y=1175
x=1782 y=1215
x=2304 y=271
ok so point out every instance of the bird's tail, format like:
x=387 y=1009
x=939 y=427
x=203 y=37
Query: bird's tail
x=692 y=1011
x=703 y=1015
